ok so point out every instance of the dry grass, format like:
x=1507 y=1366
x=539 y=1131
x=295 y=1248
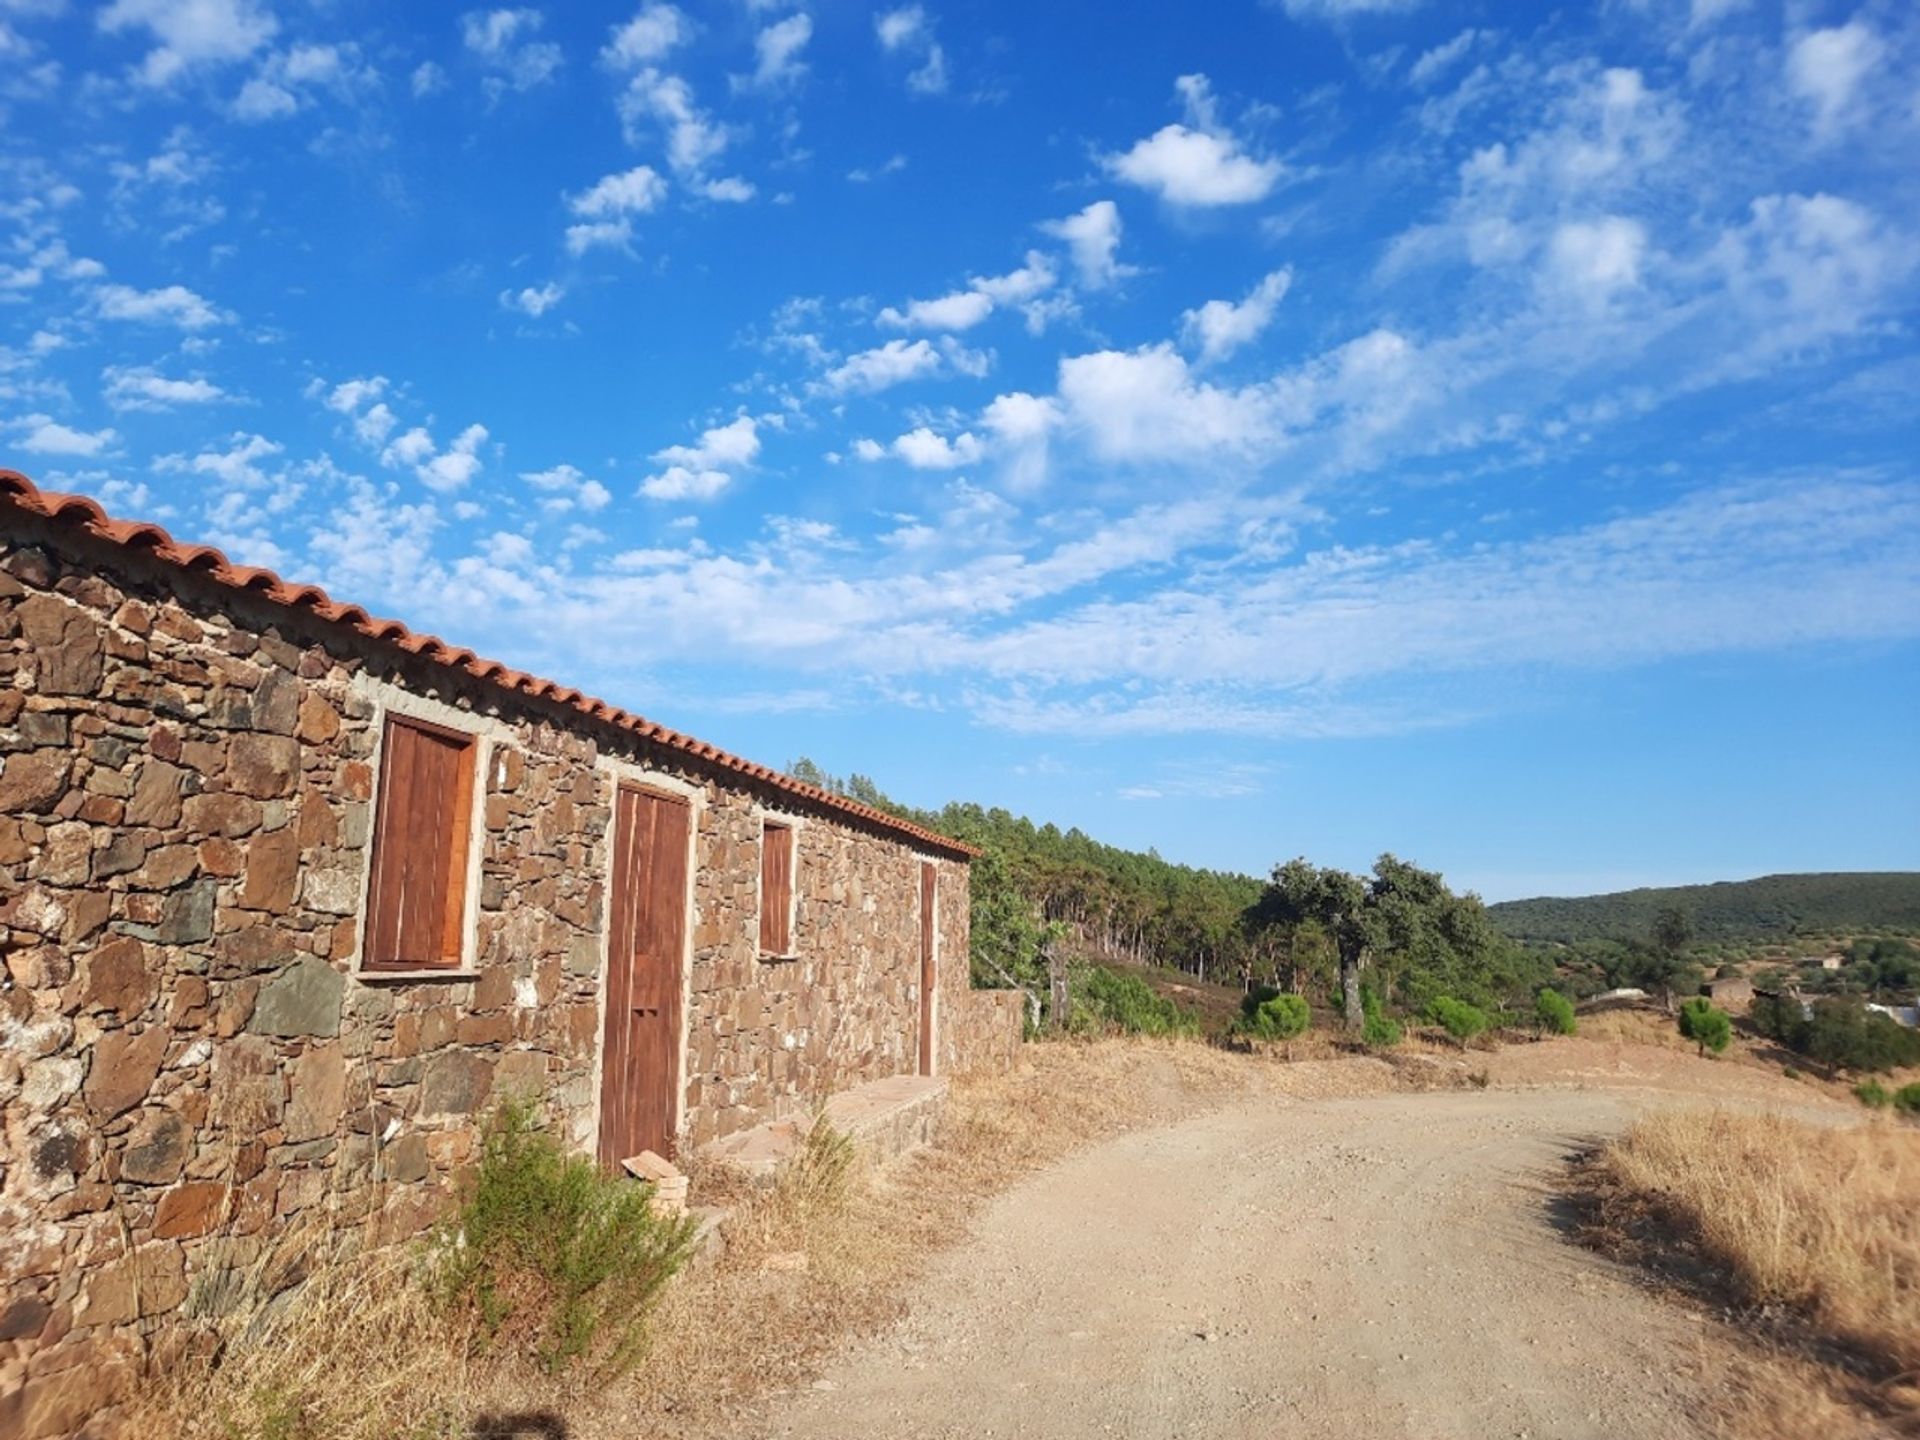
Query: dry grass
x=1819 y=1220
x=360 y=1352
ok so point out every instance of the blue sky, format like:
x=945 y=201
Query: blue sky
x=1247 y=429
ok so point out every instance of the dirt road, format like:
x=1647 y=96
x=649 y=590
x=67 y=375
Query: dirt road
x=1374 y=1267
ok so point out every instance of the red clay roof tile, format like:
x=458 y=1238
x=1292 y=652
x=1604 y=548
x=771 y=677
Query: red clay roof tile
x=79 y=511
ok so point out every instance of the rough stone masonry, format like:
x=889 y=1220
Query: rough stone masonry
x=190 y=1063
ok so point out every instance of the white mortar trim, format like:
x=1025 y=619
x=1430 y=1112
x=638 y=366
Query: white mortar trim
x=625 y=772
x=489 y=733
x=794 y=824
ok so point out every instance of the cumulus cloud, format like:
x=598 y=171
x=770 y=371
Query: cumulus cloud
x=693 y=138
x=237 y=466
x=1145 y=405
x=168 y=305
x=909 y=31
x=143 y=388
x=652 y=34
x=532 y=301
x=776 y=51
x=1199 y=164
x=43 y=435
x=451 y=469
x=605 y=209
x=1592 y=260
x=963 y=309
x=504 y=44
x=190 y=33
x=566 y=488
x=702 y=470
x=884 y=366
x=1093 y=239
x=1825 y=68
x=926 y=449
x=1220 y=327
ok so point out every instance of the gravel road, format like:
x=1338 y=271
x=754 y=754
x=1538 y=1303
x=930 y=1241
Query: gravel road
x=1381 y=1266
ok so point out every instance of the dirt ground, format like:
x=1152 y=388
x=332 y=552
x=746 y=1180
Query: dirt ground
x=1334 y=1260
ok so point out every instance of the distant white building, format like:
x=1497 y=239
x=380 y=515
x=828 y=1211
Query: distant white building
x=1907 y=1015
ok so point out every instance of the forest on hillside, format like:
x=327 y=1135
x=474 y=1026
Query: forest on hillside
x=1774 y=907
x=1038 y=890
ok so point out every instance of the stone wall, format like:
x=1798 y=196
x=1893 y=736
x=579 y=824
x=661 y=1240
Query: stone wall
x=191 y=1064
x=986 y=1030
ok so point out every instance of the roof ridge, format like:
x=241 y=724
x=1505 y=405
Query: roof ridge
x=84 y=513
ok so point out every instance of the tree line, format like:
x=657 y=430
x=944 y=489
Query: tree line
x=1397 y=937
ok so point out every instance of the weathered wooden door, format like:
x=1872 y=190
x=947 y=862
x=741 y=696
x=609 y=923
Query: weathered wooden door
x=928 y=890
x=646 y=947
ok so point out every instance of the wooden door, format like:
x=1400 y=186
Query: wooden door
x=927 y=897
x=646 y=947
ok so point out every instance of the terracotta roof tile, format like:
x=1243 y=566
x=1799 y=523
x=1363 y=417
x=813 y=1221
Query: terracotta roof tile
x=17 y=491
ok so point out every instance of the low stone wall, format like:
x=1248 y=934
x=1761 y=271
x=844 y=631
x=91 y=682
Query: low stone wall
x=986 y=1031
x=190 y=1061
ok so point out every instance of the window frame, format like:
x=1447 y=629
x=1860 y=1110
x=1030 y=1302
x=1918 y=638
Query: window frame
x=461 y=856
x=791 y=829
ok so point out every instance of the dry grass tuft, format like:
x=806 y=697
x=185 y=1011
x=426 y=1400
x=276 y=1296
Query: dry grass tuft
x=1817 y=1219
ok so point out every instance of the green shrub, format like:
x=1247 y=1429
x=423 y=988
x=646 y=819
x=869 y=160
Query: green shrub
x=551 y=1249
x=1554 y=1013
x=1270 y=1016
x=1378 y=1030
x=1707 y=1027
x=1873 y=1094
x=1460 y=1020
x=1110 y=1000
x=1907 y=1099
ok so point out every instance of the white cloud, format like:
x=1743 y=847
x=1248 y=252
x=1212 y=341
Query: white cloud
x=961 y=310
x=286 y=79
x=144 y=388
x=862 y=175
x=1023 y=426
x=694 y=138
x=427 y=79
x=702 y=470
x=502 y=40
x=1441 y=58
x=262 y=99
x=191 y=33
x=731 y=190
x=237 y=467
x=909 y=31
x=1017 y=287
x=1825 y=68
x=43 y=435
x=1093 y=239
x=453 y=467
x=629 y=192
x=409 y=448
x=567 y=488
x=349 y=395
x=169 y=305
x=777 y=50
x=926 y=449
x=1220 y=327
x=1592 y=260
x=531 y=301
x=599 y=234
x=1144 y=405
x=1198 y=164
x=653 y=33
x=893 y=363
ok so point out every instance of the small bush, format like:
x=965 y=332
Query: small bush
x=1707 y=1027
x=1109 y=1000
x=1378 y=1030
x=1554 y=1012
x=1873 y=1094
x=1460 y=1020
x=1907 y=1099
x=549 y=1248
x=1272 y=1016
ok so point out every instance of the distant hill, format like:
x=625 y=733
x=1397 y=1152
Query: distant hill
x=1774 y=907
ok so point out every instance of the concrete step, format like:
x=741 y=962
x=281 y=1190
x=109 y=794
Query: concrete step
x=885 y=1118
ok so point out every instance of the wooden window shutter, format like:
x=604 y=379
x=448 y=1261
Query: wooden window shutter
x=776 y=889
x=416 y=903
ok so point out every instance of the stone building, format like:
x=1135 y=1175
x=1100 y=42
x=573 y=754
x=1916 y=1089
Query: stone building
x=290 y=895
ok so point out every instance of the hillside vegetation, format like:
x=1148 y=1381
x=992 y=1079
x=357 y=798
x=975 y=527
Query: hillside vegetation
x=1773 y=907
